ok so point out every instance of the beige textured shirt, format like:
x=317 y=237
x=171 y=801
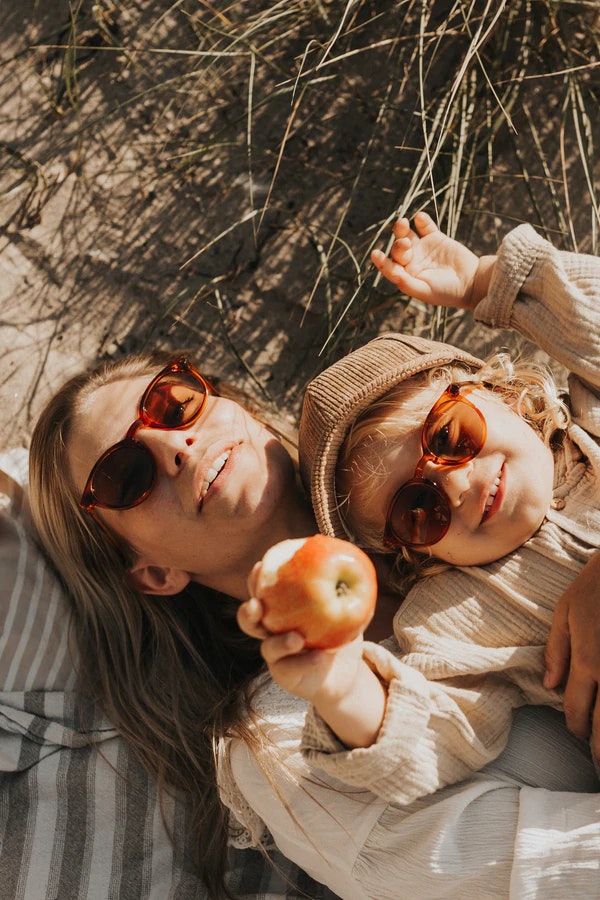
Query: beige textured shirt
x=469 y=643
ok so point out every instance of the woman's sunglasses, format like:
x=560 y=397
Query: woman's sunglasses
x=453 y=433
x=125 y=473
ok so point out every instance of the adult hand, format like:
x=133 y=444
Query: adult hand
x=428 y=265
x=573 y=652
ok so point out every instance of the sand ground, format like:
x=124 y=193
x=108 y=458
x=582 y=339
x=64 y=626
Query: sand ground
x=130 y=213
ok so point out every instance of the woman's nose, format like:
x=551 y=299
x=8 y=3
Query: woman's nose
x=455 y=480
x=170 y=448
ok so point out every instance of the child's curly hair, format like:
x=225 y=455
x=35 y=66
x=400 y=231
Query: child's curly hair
x=528 y=387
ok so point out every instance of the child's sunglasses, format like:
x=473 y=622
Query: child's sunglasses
x=125 y=473
x=453 y=433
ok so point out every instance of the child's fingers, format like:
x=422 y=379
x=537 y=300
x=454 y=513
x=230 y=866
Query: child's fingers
x=401 y=228
x=402 y=251
x=249 y=617
x=389 y=268
x=424 y=224
x=398 y=275
x=277 y=647
x=295 y=669
x=253 y=578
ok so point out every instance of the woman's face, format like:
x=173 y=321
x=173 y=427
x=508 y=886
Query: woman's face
x=498 y=499
x=221 y=487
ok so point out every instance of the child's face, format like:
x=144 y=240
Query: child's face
x=497 y=500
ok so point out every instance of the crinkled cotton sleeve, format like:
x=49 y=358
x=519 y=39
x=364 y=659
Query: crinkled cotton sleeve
x=551 y=297
x=433 y=734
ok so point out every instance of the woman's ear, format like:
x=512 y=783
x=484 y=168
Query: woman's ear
x=156 y=579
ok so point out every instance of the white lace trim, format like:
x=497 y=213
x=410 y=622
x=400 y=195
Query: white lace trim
x=283 y=718
x=246 y=828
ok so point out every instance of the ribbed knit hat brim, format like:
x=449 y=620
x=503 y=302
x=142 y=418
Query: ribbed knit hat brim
x=335 y=398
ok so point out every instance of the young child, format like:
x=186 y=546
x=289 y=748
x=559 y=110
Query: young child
x=477 y=475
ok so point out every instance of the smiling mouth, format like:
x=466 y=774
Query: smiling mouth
x=492 y=495
x=212 y=474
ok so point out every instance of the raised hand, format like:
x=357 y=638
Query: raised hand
x=428 y=265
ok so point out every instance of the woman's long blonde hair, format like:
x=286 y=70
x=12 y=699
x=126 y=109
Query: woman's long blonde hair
x=529 y=388
x=172 y=674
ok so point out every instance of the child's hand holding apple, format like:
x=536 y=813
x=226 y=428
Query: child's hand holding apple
x=311 y=602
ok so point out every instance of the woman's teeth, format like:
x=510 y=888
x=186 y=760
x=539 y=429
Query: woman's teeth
x=493 y=492
x=213 y=472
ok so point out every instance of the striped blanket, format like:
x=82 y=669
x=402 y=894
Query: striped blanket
x=79 y=817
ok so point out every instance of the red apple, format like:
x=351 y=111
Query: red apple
x=323 y=587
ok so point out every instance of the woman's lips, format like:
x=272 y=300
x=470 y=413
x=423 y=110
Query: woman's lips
x=495 y=496
x=212 y=473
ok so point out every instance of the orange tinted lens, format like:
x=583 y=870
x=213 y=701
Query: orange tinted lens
x=454 y=431
x=419 y=515
x=124 y=477
x=174 y=401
